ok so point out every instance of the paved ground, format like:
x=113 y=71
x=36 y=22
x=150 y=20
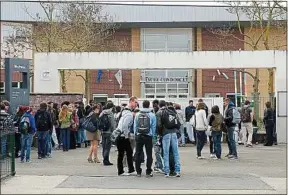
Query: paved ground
x=259 y=170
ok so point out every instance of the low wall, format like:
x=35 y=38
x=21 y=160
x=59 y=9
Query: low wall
x=37 y=98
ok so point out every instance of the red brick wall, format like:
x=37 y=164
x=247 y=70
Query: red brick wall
x=112 y=87
x=16 y=76
x=211 y=42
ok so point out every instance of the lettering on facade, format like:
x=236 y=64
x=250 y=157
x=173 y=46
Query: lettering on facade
x=166 y=79
x=19 y=67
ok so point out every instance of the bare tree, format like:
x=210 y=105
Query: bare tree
x=66 y=27
x=261 y=18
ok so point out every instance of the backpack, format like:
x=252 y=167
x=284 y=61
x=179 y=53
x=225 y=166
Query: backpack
x=143 y=123
x=170 y=119
x=236 y=116
x=24 y=125
x=104 y=123
x=42 y=120
x=245 y=115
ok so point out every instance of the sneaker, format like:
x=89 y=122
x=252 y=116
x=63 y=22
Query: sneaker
x=149 y=175
x=39 y=157
x=178 y=175
x=108 y=164
x=124 y=174
x=28 y=161
x=227 y=155
x=56 y=147
x=167 y=175
x=49 y=156
x=230 y=156
x=249 y=146
x=212 y=155
x=132 y=173
x=215 y=158
x=200 y=157
x=233 y=157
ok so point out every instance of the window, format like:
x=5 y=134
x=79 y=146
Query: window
x=121 y=96
x=150 y=96
x=160 y=96
x=2 y=87
x=183 y=96
x=172 y=88
x=172 y=96
x=177 y=73
x=155 y=73
x=15 y=85
x=98 y=98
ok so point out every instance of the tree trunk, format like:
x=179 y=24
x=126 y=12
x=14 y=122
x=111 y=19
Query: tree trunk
x=256 y=95
x=87 y=80
x=63 y=81
x=271 y=85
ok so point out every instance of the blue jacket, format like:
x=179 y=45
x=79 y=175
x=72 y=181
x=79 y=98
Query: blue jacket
x=228 y=115
x=32 y=121
x=152 y=121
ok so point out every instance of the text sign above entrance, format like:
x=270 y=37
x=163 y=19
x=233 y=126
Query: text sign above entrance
x=166 y=79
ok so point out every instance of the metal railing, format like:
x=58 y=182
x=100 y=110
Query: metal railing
x=7 y=153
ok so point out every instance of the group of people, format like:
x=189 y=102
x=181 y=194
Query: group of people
x=132 y=128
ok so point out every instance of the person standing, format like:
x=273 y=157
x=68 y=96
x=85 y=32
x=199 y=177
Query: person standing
x=81 y=135
x=27 y=128
x=107 y=126
x=17 y=120
x=229 y=110
x=246 y=125
x=269 y=123
x=65 y=124
x=123 y=143
x=189 y=112
x=181 y=117
x=43 y=126
x=144 y=130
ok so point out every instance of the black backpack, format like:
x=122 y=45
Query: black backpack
x=104 y=123
x=24 y=125
x=42 y=120
x=143 y=123
x=170 y=119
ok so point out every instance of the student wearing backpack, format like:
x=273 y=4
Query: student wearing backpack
x=232 y=118
x=144 y=130
x=43 y=126
x=246 y=125
x=168 y=121
x=27 y=128
x=107 y=126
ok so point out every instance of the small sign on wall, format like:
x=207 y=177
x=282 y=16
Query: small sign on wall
x=46 y=75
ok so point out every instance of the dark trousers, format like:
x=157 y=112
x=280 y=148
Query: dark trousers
x=171 y=161
x=73 y=139
x=17 y=143
x=65 y=136
x=58 y=134
x=211 y=145
x=269 y=134
x=106 y=146
x=124 y=146
x=217 y=135
x=144 y=140
x=42 y=139
x=200 y=141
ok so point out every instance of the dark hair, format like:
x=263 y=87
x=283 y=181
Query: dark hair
x=118 y=109
x=146 y=104
x=2 y=106
x=177 y=106
x=215 y=110
x=91 y=101
x=170 y=103
x=43 y=106
x=190 y=101
x=155 y=102
x=268 y=104
x=109 y=105
x=99 y=106
x=162 y=103
x=247 y=102
x=200 y=100
x=50 y=102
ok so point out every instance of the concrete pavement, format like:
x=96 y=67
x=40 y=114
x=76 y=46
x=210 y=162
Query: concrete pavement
x=259 y=170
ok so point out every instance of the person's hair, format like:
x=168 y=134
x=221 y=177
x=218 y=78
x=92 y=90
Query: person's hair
x=132 y=99
x=155 y=102
x=215 y=110
x=162 y=103
x=247 y=102
x=26 y=109
x=6 y=103
x=227 y=100
x=118 y=109
x=2 y=106
x=124 y=104
x=200 y=106
x=146 y=104
x=268 y=104
x=170 y=104
x=109 y=105
x=55 y=106
x=190 y=101
x=63 y=112
x=200 y=100
x=91 y=101
x=97 y=106
x=50 y=102
x=43 y=106
x=177 y=106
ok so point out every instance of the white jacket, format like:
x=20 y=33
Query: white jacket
x=201 y=120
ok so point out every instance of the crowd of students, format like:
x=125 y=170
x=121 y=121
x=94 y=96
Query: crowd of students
x=131 y=129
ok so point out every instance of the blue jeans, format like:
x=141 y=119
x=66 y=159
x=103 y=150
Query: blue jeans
x=200 y=141
x=42 y=140
x=231 y=141
x=170 y=139
x=216 y=136
x=65 y=136
x=48 y=144
x=3 y=146
x=158 y=155
x=81 y=136
x=26 y=142
x=182 y=134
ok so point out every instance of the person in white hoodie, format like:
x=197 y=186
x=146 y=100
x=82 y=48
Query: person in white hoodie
x=181 y=116
x=200 y=123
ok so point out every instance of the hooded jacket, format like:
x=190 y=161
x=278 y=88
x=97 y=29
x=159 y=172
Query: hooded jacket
x=32 y=122
x=228 y=115
x=126 y=122
x=111 y=120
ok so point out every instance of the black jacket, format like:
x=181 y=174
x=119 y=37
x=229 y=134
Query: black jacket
x=47 y=125
x=268 y=119
x=228 y=116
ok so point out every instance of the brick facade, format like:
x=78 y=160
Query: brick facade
x=211 y=42
x=108 y=83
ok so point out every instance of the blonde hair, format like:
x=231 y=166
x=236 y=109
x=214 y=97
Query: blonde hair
x=63 y=112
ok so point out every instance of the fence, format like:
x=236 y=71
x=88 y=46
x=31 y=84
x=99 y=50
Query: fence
x=7 y=157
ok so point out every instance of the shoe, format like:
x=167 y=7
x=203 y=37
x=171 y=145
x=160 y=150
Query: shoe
x=28 y=161
x=233 y=157
x=212 y=155
x=39 y=157
x=49 y=156
x=200 y=157
x=178 y=175
x=108 y=164
x=132 y=172
x=96 y=160
x=138 y=175
x=124 y=174
x=249 y=146
x=215 y=158
x=227 y=155
x=230 y=156
x=172 y=174
x=167 y=175
x=149 y=175
x=90 y=159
